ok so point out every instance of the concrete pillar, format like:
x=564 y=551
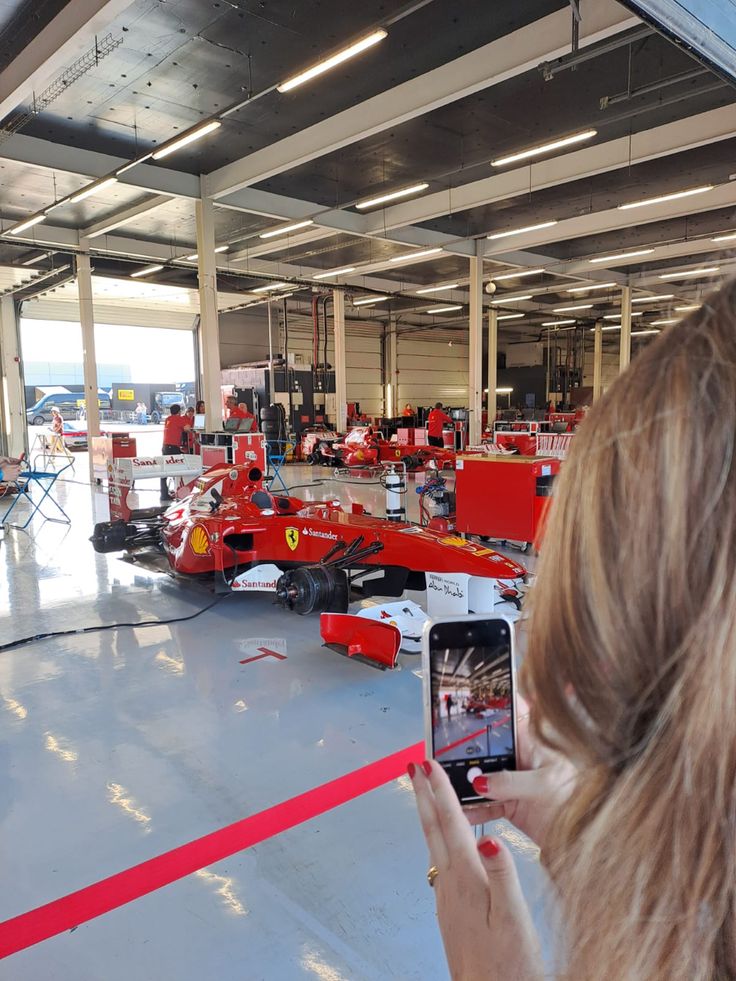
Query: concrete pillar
x=625 y=350
x=598 y=361
x=492 y=365
x=393 y=405
x=341 y=385
x=89 y=357
x=475 y=350
x=209 y=326
x=13 y=432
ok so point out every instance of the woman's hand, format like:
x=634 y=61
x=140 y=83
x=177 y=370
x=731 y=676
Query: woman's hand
x=485 y=923
x=529 y=796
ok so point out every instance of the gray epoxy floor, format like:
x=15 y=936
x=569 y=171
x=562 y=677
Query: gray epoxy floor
x=117 y=746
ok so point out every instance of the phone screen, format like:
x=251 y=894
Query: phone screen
x=471 y=700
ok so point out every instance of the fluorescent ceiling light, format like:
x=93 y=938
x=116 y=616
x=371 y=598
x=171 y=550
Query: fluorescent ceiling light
x=511 y=316
x=661 y=323
x=556 y=323
x=28 y=223
x=87 y=192
x=190 y=137
x=436 y=289
x=504 y=391
x=706 y=271
x=641 y=333
x=133 y=163
x=617 y=316
x=443 y=309
x=270 y=286
x=146 y=271
x=511 y=299
x=587 y=289
x=666 y=197
x=286 y=229
x=578 y=306
x=516 y=275
x=536 y=151
x=334 y=272
x=621 y=255
x=405 y=192
x=527 y=228
x=610 y=327
x=35 y=259
x=193 y=258
x=409 y=256
x=369 y=301
x=690 y=306
x=652 y=299
x=333 y=61
x=725 y=238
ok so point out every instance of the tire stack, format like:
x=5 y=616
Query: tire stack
x=273 y=423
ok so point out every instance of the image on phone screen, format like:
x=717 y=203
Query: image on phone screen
x=471 y=700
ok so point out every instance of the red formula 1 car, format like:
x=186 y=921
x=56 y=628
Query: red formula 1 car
x=362 y=447
x=314 y=556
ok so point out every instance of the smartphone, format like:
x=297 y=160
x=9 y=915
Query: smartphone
x=469 y=708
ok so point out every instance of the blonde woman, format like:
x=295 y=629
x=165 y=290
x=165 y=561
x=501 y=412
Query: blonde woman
x=628 y=772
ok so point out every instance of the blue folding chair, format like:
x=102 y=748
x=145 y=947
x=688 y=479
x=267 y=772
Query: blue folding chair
x=44 y=480
x=277 y=451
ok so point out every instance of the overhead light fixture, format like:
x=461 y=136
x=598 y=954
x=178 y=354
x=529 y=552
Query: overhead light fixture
x=333 y=61
x=730 y=237
x=617 y=316
x=651 y=299
x=287 y=228
x=587 y=289
x=706 y=271
x=608 y=327
x=662 y=323
x=404 y=192
x=270 y=286
x=556 y=323
x=511 y=299
x=436 y=289
x=641 y=333
x=35 y=259
x=370 y=300
x=685 y=309
x=621 y=255
x=186 y=139
x=193 y=258
x=526 y=228
x=410 y=256
x=443 y=309
x=334 y=272
x=87 y=192
x=660 y=199
x=146 y=271
x=511 y=316
x=577 y=306
x=28 y=223
x=504 y=391
x=537 y=151
x=133 y=163
x=517 y=275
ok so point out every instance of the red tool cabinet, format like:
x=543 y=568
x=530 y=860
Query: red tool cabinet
x=503 y=497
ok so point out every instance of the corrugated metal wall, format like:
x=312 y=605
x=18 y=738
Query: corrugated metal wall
x=433 y=367
x=110 y=313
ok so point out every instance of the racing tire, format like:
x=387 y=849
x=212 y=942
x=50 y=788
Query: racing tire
x=411 y=462
x=271 y=413
x=313 y=589
x=110 y=536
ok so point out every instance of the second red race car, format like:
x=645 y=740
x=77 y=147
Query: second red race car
x=364 y=447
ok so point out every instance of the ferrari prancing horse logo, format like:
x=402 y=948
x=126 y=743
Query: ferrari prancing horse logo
x=292 y=538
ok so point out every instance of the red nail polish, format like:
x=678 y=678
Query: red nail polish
x=480 y=785
x=489 y=848
x=427 y=767
x=411 y=770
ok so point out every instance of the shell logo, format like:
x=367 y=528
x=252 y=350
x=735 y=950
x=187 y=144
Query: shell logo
x=199 y=541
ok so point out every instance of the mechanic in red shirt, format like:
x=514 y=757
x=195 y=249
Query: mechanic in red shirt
x=435 y=421
x=238 y=411
x=174 y=428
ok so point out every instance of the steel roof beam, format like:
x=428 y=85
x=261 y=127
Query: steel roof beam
x=505 y=58
x=119 y=218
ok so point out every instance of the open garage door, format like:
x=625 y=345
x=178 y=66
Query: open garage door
x=706 y=27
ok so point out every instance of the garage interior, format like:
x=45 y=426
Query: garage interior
x=493 y=206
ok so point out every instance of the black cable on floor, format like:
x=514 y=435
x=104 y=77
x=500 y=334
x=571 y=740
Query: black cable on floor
x=110 y=626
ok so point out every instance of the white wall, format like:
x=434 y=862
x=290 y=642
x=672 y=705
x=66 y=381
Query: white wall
x=610 y=367
x=430 y=370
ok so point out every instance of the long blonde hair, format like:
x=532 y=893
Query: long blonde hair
x=631 y=664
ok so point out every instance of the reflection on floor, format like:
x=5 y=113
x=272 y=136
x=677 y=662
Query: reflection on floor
x=473 y=735
x=117 y=746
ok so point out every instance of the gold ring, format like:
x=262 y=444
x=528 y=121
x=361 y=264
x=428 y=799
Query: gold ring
x=432 y=875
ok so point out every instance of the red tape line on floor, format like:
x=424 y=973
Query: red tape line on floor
x=79 y=907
